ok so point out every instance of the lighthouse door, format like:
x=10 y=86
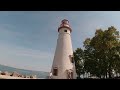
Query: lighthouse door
x=69 y=74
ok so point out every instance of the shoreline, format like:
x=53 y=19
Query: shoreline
x=13 y=77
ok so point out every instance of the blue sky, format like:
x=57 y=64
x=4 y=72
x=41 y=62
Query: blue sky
x=28 y=38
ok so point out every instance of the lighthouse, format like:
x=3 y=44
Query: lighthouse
x=63 y=66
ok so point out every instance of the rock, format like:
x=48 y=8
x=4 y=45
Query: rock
x=5 y=73
x=27 y=76
x=15 y=74
x=22 y=76
x=31 y=76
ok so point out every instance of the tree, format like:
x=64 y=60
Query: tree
x=101 y=54
x=78 y=57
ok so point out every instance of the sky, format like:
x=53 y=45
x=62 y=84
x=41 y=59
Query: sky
x=28 y=39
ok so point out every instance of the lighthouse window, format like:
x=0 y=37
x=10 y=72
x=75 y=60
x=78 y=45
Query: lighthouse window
x=72 y=58
x=65 y=30
x=55 y=71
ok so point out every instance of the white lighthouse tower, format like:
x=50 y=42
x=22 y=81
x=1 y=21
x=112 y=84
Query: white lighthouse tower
x=63 y=66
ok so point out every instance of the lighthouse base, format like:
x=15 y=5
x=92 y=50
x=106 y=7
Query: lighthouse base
x=69 y=74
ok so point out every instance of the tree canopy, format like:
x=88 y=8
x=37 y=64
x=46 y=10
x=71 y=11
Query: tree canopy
x=101 y=54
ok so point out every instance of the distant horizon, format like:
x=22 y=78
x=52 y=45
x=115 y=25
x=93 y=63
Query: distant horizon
x=22 y=68
x=28 y=38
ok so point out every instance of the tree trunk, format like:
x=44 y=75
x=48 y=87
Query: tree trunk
x=84 y=75
x=78 y=75
x=110 y=73
x=106 y=74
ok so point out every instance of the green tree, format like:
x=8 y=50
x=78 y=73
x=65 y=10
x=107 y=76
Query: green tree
x=78 y=57
x=103 y=51
x=101 y=56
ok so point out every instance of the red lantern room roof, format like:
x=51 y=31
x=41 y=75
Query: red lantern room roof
x=65 y=24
